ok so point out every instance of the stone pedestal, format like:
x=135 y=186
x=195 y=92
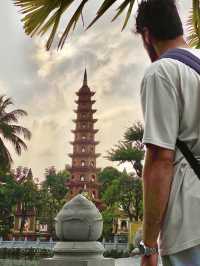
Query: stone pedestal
x=78 y=225
x=78 y=254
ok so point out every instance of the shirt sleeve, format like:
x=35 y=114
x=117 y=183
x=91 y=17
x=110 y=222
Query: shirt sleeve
x=160 y=111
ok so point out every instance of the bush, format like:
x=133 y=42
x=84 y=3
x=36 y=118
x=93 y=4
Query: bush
x=116 y=254
x=29 y=253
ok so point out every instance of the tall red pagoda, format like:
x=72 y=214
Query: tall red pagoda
x=83 y=170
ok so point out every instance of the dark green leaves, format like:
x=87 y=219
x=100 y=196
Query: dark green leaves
x=40 y=16
x=194 y=25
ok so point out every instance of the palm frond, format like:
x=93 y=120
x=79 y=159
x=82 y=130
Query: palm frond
x=42 y=15
x=5 y=157
x=19 y=130
x=103 y=8
x=5 y=102
x=17 y=143
x=194 y=25
x=10 y=132
x=12 y=116
x=72 y=23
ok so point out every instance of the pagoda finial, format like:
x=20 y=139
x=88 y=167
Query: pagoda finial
x=85 y=78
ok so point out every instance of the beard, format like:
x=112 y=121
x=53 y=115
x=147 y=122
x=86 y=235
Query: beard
x=151 y=52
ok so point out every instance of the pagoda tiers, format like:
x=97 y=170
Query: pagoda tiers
x=83 y=170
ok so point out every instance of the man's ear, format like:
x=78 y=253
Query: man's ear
x=146 y=36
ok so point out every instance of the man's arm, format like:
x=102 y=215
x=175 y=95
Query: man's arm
x=157 y=178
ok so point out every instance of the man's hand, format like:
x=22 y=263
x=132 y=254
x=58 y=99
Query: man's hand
x=149 y=260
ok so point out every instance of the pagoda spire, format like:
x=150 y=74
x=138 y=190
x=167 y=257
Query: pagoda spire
x=85 y=78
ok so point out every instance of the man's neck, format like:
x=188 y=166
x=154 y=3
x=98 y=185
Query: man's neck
x=163 y=46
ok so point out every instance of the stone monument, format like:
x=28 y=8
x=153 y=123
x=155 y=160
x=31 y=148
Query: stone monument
x=79 y=225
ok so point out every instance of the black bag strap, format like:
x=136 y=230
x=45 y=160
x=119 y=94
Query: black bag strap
x=192 y=61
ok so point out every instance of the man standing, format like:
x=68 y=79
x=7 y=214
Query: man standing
x=170 y=96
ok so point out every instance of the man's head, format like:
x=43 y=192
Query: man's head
x=158 y=21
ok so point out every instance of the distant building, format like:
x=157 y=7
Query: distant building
x=84 y=169
x=26 y=224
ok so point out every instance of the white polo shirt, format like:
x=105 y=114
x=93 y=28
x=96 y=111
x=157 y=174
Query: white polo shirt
x=170 y=97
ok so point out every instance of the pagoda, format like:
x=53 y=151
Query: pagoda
x=83 y=171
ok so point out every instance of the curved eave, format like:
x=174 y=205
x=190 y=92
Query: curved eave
x=84 y=142
x=85 y=120
x=94 y=131
x=84 y=155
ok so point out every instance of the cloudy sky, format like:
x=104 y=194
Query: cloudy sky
x=44 y=83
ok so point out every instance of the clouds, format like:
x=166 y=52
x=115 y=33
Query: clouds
x=44 y=84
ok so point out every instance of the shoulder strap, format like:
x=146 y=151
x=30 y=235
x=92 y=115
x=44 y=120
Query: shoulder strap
x=192 y=61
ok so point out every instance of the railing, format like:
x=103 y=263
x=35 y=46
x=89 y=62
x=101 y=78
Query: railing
x=50 y=245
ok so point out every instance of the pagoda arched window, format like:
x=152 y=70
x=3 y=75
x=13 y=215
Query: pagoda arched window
x=83 y=149
x=83 y=137
x=123 y=225
x=84 y=125
x=93 y=178
x=82 y=163
x=82 y=178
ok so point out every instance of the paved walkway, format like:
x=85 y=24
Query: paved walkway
x=129 y=262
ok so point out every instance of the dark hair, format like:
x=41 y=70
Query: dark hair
x=160 y=17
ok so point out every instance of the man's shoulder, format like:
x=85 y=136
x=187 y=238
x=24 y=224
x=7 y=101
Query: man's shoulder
x=161 y=66
x=168 y=65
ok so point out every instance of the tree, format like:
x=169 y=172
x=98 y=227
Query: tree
x=8 y=186
x=106 y=176
x=130 y=149
x=26 y=194
x=44 y=15
x=10 y=132
x=53 y=196
x=109 y=214
x=125 y=193
x=55 y=182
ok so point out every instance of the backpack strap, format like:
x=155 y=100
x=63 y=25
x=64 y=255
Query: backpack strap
x=193 y=62
x=184 y=56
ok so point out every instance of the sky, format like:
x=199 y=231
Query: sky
x=44 y=83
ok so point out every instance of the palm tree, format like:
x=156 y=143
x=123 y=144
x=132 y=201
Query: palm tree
x=43 y=15
x=11 y=133
x=130 y=149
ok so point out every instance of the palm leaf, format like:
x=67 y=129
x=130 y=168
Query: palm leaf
x=104 y=7
x=194 y=25
x=12 y=116
x=42 y=15
x=72 y=23
x=4 y=102
x=5 y=157
x=19 y=130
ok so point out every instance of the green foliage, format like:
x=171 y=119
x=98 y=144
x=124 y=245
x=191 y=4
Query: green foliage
x=40 y=16
x=125 y=193
x=130 y=149
x=116 y=254
x=52 y=196
x=194 y=25
x=106 y=176
x=10 y=132
x=26 y=253
x=109 y=214
x=8 y=200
